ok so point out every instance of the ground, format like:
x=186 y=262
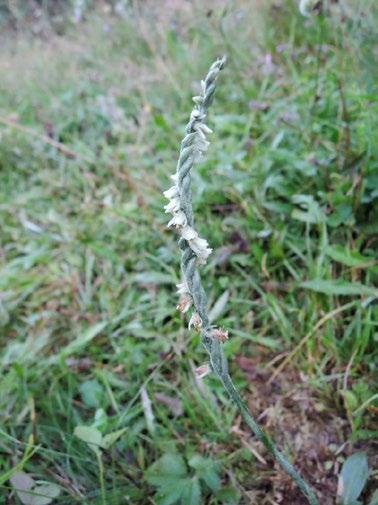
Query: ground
x=91 y=117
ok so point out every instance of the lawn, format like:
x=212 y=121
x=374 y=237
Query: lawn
x=99 y=399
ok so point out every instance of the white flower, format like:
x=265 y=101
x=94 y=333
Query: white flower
x=195 y=321
x=182 y=288
x=202 y=371
x=195 y=114
x=198 y=100
x=178 y=220
x=188 y=233
x=172 y=192
x=204 y=128
x=184 y=303
x=220 y=334
x=202 y=145
x=201 y=134
x=172 y=206
x=202 y=258
x=201 y=248
x=198 y=245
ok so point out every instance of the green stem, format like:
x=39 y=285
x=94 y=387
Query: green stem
x=102 y=480
x=264 y=438
x=191 y=144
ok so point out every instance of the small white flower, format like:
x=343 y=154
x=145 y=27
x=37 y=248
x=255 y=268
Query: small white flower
x=198 y=100
x=204 y=128
x=188 y=233
x=201 y=134
x=220 y=334
x=202 y=144
x=178 y=220
x=202 y=371
x=172 y=192
x=184 y=303
x=195 y=321
x=201 y=248
x=182 y=288
x=200 y=243
x=172 y=206
x=195 y=114
x=202 y=258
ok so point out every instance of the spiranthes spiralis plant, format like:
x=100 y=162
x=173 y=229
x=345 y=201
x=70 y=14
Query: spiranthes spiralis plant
x=194 y=252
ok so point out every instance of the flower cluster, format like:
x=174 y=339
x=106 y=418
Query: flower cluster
x=193 y=146
x=185 y=297
x=190 y=289
x=220 y=334
x=202 y=371
x=179 y=220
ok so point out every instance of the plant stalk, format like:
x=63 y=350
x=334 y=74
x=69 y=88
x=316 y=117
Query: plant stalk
x=191 y=147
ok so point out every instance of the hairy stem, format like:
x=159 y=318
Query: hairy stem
x=191 y=255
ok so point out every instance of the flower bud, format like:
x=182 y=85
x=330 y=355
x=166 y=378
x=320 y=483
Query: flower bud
x=202 y=371
x=182 y=288
x=220 y=334
x=188 y=233
x=172 y=206
x=179 y=220
x=195 y=321
x=184 y=304
x=171 y=192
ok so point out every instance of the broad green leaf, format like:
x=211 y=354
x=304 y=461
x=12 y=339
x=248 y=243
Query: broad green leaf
x=228 y=496
x=171 y=493
x=191 y=494
x=305 y=217
x=350 y=399
x=310 y=211
x=110 y=439
x=90 y=436
x=22 y=483
x=198 y=462
x=348 y=257
x=166 y=470
x=352 y=479
x=92 y=393
x=212 y=480
x=31 y=494
x=44 y=494
x=206 y=470
x=100 y=419
x=339 y=287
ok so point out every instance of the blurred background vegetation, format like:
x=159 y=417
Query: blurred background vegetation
x=98 y=399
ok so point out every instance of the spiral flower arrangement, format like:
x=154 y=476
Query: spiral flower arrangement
x=194 y=252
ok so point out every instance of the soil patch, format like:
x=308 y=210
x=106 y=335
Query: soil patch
x=304 y=426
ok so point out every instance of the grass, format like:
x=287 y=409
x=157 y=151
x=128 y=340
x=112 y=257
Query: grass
x=286 y=196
